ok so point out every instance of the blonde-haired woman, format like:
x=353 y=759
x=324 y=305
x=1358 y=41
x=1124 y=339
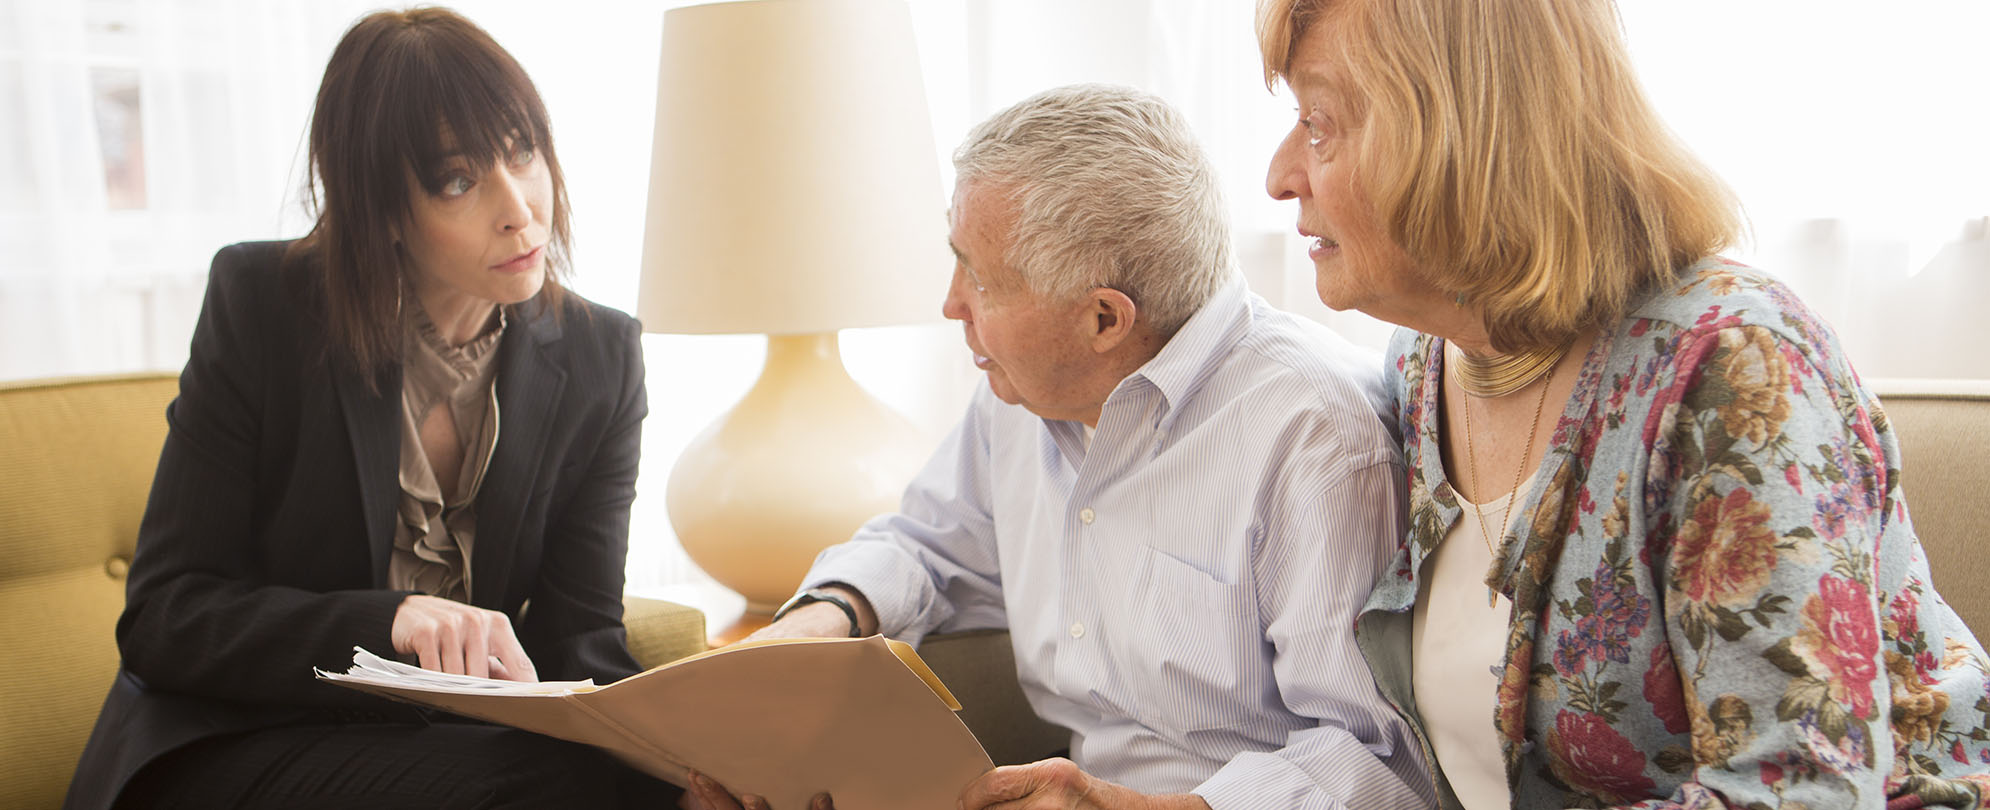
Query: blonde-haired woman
x=1659 y=554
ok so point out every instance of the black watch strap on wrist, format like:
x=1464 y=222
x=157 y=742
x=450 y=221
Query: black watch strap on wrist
x=820 y=595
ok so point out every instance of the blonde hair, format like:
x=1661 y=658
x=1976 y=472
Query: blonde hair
x=1112 y=191
x=1510 y=151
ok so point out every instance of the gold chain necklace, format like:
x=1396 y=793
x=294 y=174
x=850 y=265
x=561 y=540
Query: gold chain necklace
x=1502 y=374
x=1472 y=464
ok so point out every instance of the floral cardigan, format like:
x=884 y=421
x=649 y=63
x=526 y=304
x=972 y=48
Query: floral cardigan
x=1719 y=600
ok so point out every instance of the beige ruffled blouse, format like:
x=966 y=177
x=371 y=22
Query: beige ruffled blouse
x=438 y=526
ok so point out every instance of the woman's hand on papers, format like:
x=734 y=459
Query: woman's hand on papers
x=1058 y=784
x=449 y=636
x=706 y=794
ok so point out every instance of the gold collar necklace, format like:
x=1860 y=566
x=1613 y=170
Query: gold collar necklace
x=1502 y=374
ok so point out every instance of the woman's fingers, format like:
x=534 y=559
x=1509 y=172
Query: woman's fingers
x=449 y=636
x=449 y=642
x=477 y=648
x=510 y=655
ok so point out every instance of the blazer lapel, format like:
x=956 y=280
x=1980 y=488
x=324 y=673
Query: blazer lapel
x=373 y=423
x=529 y=386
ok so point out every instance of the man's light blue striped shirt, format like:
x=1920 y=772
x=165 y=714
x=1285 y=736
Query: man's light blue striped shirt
x=1181 y=592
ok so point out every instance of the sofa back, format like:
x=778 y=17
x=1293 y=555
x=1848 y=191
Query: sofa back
x=1944 y=432
x=76 y=463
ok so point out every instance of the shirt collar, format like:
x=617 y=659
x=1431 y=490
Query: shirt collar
x=1194 y=352
x=427 y=355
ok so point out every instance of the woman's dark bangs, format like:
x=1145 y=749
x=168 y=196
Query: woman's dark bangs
x=483 y=101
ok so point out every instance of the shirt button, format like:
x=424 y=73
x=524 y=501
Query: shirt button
x=1086 y=515
x=1077 y=629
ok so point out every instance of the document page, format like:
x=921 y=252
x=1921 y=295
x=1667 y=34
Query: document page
x=372 y=669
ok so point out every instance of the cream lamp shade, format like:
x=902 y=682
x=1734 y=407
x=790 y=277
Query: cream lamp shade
x=794 y=191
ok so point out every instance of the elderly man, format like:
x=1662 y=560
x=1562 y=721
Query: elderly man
x=1173 y=496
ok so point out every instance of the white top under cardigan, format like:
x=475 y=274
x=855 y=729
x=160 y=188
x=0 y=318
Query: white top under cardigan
x=1458 y=643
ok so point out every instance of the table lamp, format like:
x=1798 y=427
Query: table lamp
x=794 y=191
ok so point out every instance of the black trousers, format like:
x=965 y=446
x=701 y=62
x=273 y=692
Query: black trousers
x=444 y=766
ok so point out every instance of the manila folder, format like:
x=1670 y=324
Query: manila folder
x=862 y=719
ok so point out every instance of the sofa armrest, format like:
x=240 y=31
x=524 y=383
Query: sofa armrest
x=980 y=669
x=661 y=632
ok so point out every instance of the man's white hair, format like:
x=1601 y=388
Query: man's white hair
x=1112 y=191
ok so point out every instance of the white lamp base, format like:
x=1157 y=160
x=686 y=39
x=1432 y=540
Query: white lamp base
x=796 y=466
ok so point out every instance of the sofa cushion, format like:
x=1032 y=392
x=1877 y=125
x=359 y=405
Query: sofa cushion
x=979 y=667
x=76 y=462
x=661 y=632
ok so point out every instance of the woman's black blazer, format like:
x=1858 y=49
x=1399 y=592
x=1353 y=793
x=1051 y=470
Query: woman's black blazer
x=264 y=548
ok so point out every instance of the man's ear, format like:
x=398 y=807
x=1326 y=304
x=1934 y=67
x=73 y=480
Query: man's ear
x=1111 y=318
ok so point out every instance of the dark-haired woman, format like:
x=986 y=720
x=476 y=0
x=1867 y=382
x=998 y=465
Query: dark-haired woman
x=397 y=433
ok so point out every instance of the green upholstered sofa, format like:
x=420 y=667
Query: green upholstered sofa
x=76 y=461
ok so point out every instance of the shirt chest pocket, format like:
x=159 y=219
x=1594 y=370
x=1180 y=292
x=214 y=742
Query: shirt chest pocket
x=1189 y=647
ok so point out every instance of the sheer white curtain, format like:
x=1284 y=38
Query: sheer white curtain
x=1854 y=135
x=137 y=136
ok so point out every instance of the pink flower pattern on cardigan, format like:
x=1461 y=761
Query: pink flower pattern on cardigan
x=1719 y=598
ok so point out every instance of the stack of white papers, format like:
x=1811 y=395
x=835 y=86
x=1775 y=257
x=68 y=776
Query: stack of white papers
x=368 y=668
